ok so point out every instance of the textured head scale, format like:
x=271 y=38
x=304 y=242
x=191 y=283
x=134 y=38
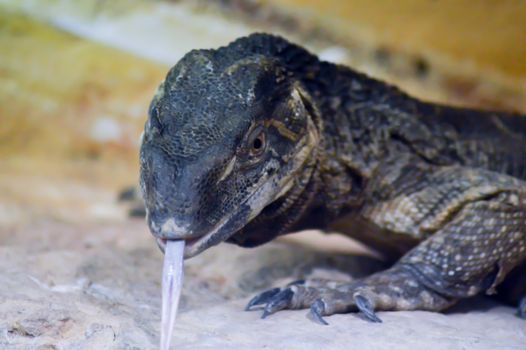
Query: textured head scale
x=226 y=133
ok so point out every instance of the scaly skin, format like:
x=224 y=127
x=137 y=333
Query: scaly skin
x=260 y=138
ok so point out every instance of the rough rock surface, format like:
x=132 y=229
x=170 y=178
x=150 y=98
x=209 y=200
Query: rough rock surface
x=97 y=286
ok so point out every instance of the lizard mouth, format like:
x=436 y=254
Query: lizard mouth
x=230 y=224
x=189 y=245
x=194 y=246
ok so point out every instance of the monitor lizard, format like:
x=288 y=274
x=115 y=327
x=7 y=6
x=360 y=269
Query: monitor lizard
x=261 y=138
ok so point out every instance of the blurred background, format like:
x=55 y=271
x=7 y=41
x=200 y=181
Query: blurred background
x=76 y=78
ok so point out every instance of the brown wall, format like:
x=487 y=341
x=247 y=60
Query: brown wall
x=472 y=42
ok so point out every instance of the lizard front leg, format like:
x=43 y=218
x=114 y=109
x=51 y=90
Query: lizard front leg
x=474 y=228
x=394 y=289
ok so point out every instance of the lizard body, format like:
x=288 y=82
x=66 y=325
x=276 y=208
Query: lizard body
x=261 y=138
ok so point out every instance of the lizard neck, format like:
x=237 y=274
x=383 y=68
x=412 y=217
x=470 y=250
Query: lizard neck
x=359 y=116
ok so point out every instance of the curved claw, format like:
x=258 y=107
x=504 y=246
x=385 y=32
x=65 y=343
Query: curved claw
x=262 y=298
x=278 y=302
x=316 y=311
x=522 y=309
x=364 y=305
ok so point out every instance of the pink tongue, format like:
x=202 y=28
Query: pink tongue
x=172 y=283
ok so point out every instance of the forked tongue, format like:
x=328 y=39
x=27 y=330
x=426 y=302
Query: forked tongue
x=172 y=284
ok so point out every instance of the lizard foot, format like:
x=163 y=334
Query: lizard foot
x=394 y=289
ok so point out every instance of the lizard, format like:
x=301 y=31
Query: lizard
x=261 y=138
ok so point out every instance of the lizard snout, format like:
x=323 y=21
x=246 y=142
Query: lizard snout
x=171 y=228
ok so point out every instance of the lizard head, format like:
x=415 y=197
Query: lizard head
x=227 y=150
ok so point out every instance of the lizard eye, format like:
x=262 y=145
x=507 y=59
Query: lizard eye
x=257 y=142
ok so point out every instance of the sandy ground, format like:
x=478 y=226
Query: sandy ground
x=97 y=286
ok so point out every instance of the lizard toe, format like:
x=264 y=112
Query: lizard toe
x=366 y=307
x=279 y=301
x=317 y=309
x=261 y=299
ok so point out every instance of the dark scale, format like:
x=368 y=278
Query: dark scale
x=260 y=138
